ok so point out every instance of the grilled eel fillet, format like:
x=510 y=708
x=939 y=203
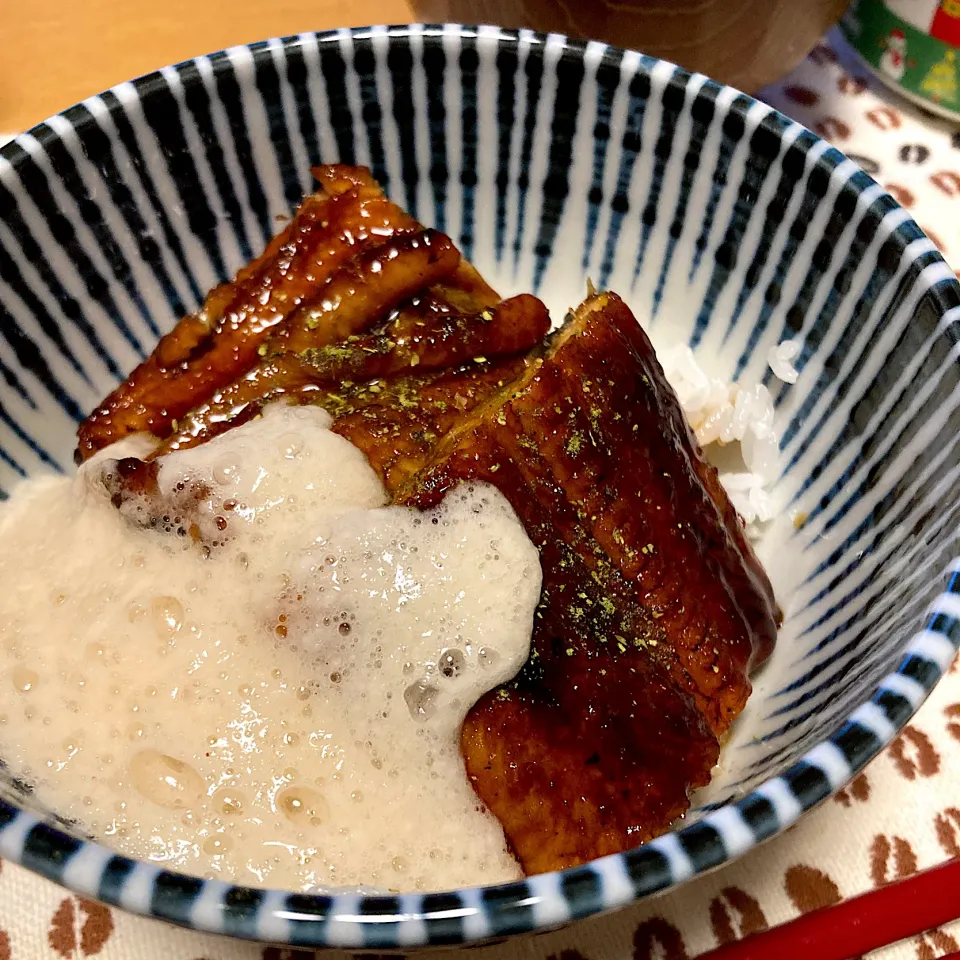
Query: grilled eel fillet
x=654 y=608
x=345 y=261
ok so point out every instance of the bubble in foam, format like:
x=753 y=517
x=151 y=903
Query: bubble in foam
x=228 y=801
x=224 y=471
x=217 y=845
x=452 y=662
x=24 y=679
x=420 y=698
x=488 y=657
x=167 y=613
x=303 y=806
x=164 y=780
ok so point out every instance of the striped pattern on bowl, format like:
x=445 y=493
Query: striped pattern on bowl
x=723 y=224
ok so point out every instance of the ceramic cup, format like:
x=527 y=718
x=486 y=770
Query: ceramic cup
x=911 y=45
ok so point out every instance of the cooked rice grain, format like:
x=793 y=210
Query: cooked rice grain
x=727 y=413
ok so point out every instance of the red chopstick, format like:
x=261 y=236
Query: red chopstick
x=850 y=929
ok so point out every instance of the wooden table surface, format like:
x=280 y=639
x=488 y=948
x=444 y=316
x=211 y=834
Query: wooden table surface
x=56 y=52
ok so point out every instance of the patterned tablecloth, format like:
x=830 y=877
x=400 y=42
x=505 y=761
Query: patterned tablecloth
x=902 y=815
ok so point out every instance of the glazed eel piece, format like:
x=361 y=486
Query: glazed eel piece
x=653 y=611
x=347 y=258
x=654 y=608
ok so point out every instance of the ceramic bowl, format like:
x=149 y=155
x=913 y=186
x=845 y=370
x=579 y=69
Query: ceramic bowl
x=723 y=223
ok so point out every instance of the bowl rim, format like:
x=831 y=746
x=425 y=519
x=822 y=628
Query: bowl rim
x=547 y=901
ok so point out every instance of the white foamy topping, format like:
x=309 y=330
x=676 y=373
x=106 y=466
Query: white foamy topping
x=284 y=707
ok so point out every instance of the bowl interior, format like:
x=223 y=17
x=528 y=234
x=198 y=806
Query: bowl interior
x=723 y=224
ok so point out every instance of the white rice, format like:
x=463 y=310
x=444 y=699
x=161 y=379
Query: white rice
x=735 y=415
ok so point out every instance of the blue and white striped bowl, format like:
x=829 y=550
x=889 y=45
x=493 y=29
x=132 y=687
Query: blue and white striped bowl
x=722 y=223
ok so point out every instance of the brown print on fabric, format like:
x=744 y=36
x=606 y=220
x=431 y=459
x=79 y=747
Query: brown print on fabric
x=947 y=826
x=891 y=858
x=886 y=118
x=6 y=953
x=810 y=889
x=832 y=128
x=914 y=153
x=870 y=165
x=934 y=944
x=953 y=719
x=802 y=95
x=851 y=86
x=822 y=54
x=912 y=752
x=902 y=195
x=79 y=928
x=857 y=792
x=735 y=914
x=656 y=939
x=948 y=182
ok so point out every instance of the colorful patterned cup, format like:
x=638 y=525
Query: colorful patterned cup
x=911 y=45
